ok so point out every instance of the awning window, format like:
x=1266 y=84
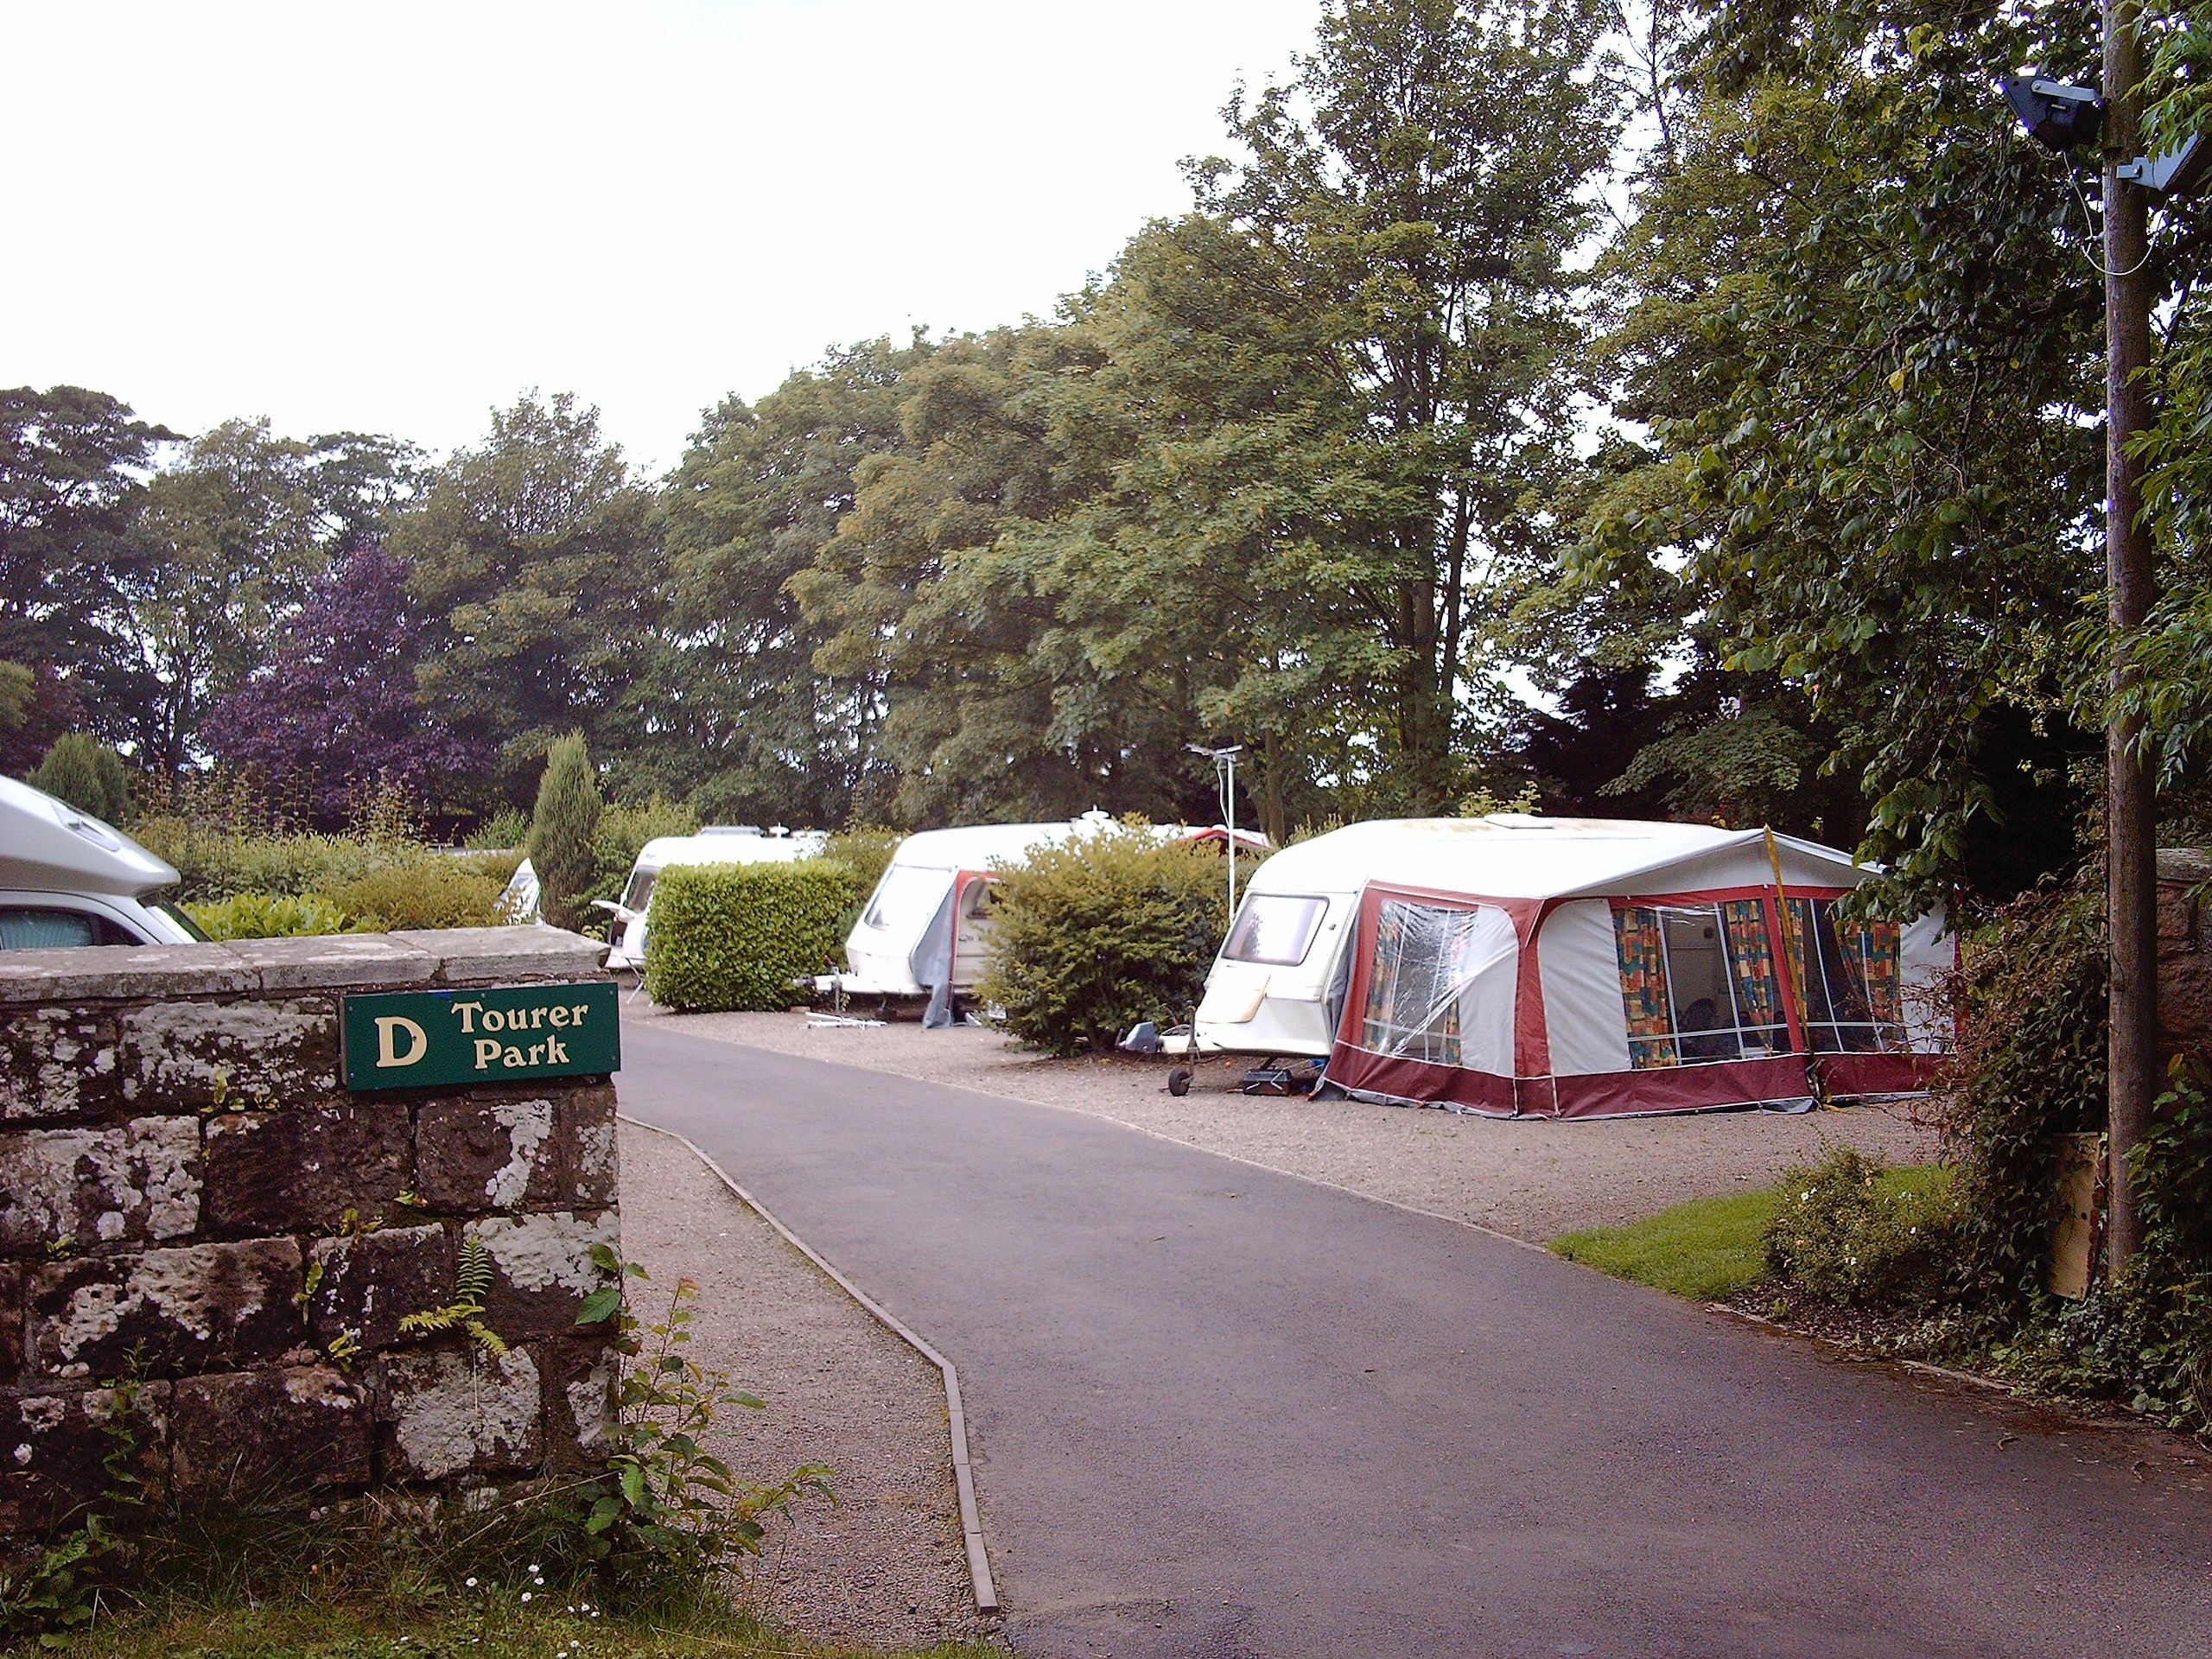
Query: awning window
x=1697 y=984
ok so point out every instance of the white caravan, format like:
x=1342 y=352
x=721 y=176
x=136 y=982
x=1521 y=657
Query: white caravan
x=926 y=929
x=66 y=879
x=717 y=844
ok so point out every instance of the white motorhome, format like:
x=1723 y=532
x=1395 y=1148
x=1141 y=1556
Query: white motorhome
x=1576 y=967
x=741 y=843
x=926 y=928
x=66 y=879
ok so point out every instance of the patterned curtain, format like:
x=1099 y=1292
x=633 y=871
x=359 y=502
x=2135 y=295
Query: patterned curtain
x=1420 y=965
x=1750 y=953
x=1797 y=927
x=1383 y=974
x=1643 y=986
x=1876 y=954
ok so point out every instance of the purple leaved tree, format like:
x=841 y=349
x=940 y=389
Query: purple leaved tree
x=333 y=714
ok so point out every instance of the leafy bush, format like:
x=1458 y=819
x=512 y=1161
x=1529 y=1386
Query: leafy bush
x=1850 y=1230
x=866 y=851
x=2146 y=1340
x=502 y=831
x=624 y=830
x=561 y=831
x=668 y=1513
x=740 y=936
x=435 y=892
x=86 y=773
x=1108 y=930
x=268 y=916
x=217 y=863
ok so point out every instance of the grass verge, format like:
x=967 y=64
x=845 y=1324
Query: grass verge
x=497 y=1625
x=1707 y=1248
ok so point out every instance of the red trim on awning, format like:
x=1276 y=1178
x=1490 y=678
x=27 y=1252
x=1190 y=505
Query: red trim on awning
x=1878 y=1074
x=1697 y=1087
x=1717 y=895
x=1421 y=1081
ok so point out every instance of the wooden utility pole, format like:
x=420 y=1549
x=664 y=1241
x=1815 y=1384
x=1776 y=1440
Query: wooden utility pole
x=2131 y=822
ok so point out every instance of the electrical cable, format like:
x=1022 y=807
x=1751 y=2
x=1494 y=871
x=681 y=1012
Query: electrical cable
x=2089 y=219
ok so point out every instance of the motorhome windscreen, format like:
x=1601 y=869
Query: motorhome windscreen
x=1276 y=928
x=905 y=900
x=1698 y=983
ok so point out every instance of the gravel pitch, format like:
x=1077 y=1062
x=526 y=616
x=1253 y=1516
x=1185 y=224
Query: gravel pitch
x=883 y=1567
x=1532 y=1177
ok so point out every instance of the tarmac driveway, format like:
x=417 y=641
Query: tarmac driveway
x=1220 y=1412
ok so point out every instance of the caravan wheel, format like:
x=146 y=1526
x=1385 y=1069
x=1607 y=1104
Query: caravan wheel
x=1178 y=1080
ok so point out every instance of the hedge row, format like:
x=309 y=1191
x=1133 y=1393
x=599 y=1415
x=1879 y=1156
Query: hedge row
x=741 y=936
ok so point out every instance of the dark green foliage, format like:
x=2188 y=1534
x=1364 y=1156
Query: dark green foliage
x=866 y=851
x=533 y=566
x=86 y=773
x=2029 y=1067
x=2146 y=1340
x=562 y=831
x=1093 y=937
x=1739 y=772
x=741 y=936
x=1849 y=1229
x=667 y=1514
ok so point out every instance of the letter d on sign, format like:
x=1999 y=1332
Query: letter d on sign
x=388 y=1029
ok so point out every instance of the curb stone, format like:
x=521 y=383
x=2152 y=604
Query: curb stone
x=963 y=1479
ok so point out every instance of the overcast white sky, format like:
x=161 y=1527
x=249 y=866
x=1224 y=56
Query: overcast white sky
x=390 y=217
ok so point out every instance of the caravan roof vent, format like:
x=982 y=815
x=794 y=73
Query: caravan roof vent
x=731 y=829
x=1096 y=815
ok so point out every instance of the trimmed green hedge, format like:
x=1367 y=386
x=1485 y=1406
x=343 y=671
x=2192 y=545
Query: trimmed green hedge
x=738 y=935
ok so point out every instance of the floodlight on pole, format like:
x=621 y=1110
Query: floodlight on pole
x=2066 y=118
x=1224 y=765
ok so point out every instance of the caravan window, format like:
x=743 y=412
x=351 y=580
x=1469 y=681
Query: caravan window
x=1275 y=927
x=1854 y=983
x=1698 y=983
x=907 y=898
x=639 y=893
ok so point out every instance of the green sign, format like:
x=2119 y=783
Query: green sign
x=507 y=1034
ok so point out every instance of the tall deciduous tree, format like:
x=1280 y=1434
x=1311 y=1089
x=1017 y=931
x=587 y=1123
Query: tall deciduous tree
x=743 y=723
x=541 y=585
x=1412 y=200
x=332 y=713
x=74 y=466
x=1871 y=366
x=235 y=534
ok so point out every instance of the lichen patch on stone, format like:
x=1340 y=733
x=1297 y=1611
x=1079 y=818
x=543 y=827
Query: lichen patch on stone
x=549 y=1252
x=528 y=1123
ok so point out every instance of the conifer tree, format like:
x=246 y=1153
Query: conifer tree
x=561 y=831
x=88 y=775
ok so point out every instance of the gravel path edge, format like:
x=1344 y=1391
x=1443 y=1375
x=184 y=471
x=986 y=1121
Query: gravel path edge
x=963 y=1478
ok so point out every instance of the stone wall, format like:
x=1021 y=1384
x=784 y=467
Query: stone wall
x=189 y=1198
